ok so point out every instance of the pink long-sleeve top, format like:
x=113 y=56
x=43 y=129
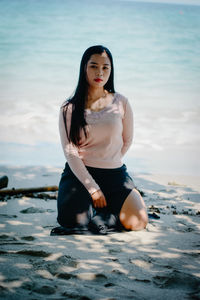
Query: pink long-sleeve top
x=110 y=133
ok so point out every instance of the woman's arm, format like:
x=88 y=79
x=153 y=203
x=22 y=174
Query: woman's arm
x=127 y=133
x=71 y=153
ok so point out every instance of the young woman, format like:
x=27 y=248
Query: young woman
x=96 y=129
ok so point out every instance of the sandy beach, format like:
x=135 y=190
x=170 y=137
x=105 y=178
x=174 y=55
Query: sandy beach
x=160 y=262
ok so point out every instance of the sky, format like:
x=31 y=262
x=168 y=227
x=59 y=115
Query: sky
x=191 y=2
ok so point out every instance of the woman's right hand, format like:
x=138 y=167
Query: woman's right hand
x=99 y=199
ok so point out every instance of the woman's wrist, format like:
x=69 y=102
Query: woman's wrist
x=94 y=192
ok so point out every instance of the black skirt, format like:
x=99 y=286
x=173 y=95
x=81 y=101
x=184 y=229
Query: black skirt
x=73 y=197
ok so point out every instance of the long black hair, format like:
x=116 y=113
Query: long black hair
x=79 y=98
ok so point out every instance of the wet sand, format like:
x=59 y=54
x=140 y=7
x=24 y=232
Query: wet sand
x=160 y=262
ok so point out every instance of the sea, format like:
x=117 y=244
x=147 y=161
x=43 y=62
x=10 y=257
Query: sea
x=156 y=53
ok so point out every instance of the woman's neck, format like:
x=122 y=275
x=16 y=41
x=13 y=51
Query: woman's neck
x=94 y=94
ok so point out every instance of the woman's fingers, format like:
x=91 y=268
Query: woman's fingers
x=99 y=202
x=104 y=202
x=99 y=199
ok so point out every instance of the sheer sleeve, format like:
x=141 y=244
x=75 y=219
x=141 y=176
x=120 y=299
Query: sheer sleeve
x=127 y=133
x=71 y=153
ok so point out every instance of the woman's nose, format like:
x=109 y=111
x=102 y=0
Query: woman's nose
x=99 y=72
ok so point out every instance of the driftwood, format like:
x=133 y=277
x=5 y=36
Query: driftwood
x=3 y=182
x=14 y=191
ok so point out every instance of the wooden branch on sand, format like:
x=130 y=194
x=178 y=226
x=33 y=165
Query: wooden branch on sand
x=14 y=191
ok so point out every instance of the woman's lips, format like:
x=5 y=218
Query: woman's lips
x=98 y=80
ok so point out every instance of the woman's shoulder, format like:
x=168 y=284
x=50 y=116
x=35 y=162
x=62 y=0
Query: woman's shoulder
x=121 y=98
x=66 y=104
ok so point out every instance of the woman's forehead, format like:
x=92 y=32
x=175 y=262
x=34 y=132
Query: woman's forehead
x=99 y=59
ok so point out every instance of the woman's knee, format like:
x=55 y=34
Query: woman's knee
x=134 y=222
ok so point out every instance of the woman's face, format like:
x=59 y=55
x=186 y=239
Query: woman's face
x=98 y=70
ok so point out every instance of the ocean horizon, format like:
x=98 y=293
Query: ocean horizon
x=156 y=53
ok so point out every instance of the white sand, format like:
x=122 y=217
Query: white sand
x=161 y=262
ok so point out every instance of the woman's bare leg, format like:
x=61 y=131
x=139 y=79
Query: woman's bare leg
x=133 y=214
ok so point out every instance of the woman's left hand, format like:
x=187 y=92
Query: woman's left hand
x=99 y=199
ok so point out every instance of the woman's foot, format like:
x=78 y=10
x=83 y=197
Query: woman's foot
x=97 y=225
x=60 y=230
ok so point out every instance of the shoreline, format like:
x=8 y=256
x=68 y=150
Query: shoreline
x=21 y=176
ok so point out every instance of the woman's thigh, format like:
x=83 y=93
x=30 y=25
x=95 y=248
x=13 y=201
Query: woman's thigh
x=116 y=184
x=133 y=214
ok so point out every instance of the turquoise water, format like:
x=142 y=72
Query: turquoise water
x=156 y=51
